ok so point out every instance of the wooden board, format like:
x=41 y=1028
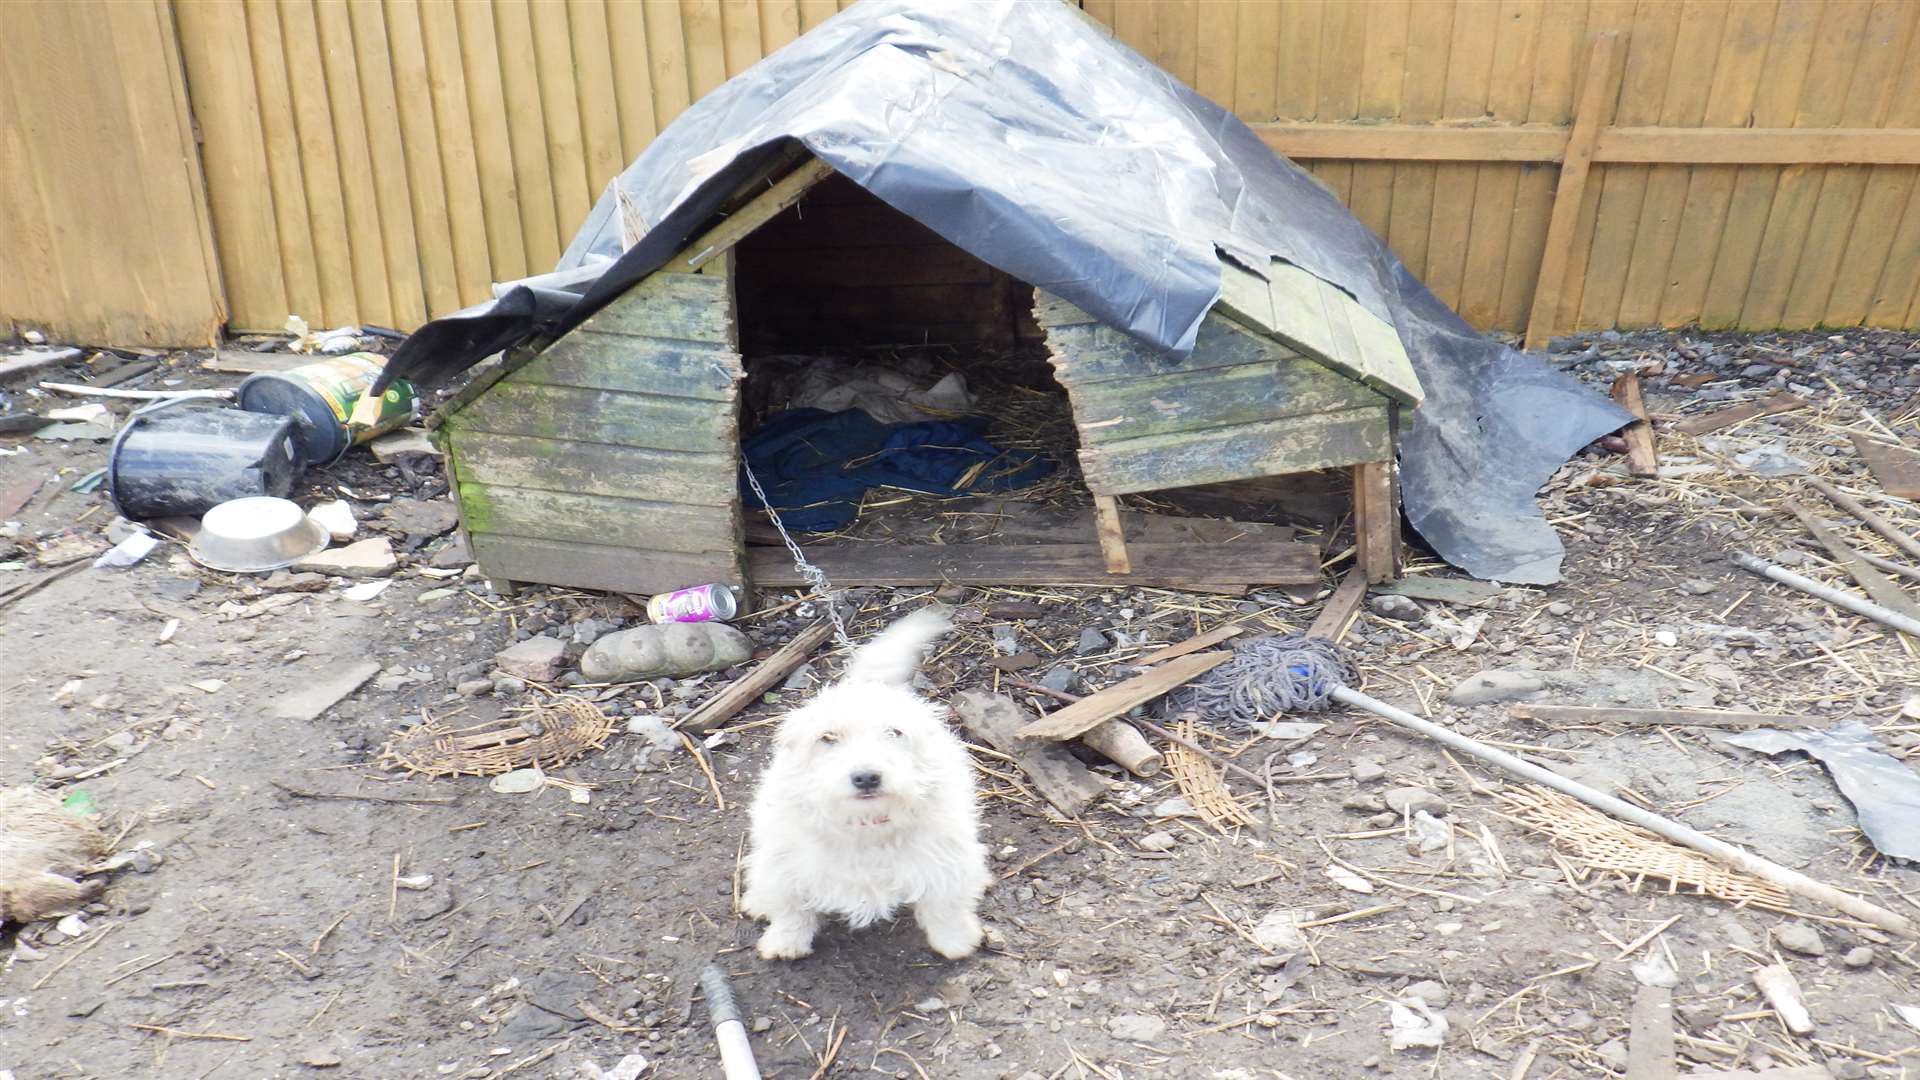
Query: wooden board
x=1464 y=591
x=1115 y=410
x=651 y=421
x=639 y=524
x=645 y=365
x=1583 y=714
x=1055 y=773
x=596 y=566
x=1096 y=708
x=677 y=307
x=1193 y=644
x=1896 y=468
x=1332 y=328
x=1376 y=521
x=1341 y=606
x=1708 y=423
x=1641 y=459
x=1169 y=565
x=1086 y=352
x=1299 y=444
x=594 y=468
x=1650 y=1053
x=1113 y=542
x=1884 y=590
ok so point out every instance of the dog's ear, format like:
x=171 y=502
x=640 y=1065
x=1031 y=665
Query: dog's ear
x=797 y=729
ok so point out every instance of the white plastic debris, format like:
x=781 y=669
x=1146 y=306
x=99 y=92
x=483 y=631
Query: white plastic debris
x=1416 y=1025
x=1347 y=879
x=127 y=552
x=337 y=518
x=366 y=590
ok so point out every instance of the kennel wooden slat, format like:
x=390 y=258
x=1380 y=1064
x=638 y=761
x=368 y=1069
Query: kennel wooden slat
x=1240 y=452
x=621 y=565
x=582 y=414
x=593 y=519
x=1120 y=409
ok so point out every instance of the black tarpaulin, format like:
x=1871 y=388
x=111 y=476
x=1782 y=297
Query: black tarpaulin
x=1022 y=132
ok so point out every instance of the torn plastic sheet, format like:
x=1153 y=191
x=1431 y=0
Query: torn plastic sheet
x=1884 y=791
x=1025 y=134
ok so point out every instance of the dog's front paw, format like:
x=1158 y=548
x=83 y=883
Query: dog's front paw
x=786 y=942
x=955 y=937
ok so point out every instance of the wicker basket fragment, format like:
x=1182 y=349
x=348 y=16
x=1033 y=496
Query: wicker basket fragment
x=1204 y=786
x=1604 y=843
x=546 y=736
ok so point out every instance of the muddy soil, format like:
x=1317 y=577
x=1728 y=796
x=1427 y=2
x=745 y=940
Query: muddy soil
x=294 y=909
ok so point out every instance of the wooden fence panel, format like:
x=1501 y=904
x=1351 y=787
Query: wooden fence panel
x=383 y=161
x=104 y=230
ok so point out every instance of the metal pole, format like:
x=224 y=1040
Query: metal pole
x=1836 y=597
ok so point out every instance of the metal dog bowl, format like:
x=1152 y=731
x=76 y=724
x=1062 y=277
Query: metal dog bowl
x=255 y=534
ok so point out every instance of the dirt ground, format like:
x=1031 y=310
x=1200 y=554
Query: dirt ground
x=260 y=931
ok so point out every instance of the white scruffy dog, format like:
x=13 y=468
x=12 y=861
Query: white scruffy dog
x=867 y=806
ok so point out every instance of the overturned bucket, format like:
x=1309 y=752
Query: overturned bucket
x=321 y=396
x=188 y=456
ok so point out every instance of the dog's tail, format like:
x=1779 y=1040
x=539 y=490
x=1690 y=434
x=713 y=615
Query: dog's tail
x=895 y=655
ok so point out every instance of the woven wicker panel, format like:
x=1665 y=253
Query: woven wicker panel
x=1204 y=786
x=1587 y=834
x=547 y=736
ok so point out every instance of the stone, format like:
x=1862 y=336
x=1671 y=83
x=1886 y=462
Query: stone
x=803 y=678
x=321 y=1059
x=1398 y=608
x=1366 y=771
x=1019 y=661
x=337 y=518
x=372 y=558
x=1279 y=930
x=398 y=444
x=452 y=555
x=1799 y=938
x=1698 y=586
x=1136 y=1027
x=1858 y=957
x=281 y=581
x=422 y=517
x=1435 y=994
x=1408 y=800
x=537 y=659
x=1486 y=687
x=507 y=685
x=1560 y=609
x=668 y=649
x=1157 y=841
x=658 y=734
x=1614 y=1053
x=473 y=687
x=1091 y=641
x=1060 y=679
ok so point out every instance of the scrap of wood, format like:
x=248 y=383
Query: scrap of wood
x=311 y=701
x=1337 y=613
x=1641 y=459
x=236 y=362
x=1725 y=418
x=1583 y=714
x=747 y=689
x=1464 y=591
x=1113 y=542
x=1896 y=467
x=1783 y=993
x=35 y=359
x=301 y=793
x=1867 y=517
x=1090 y=711
x=1878 y=585
x=18 y=493
x=1122 y=744
x=1056 y=774
x=1193 y=644
x=1650 y=1038
x=1211 y=567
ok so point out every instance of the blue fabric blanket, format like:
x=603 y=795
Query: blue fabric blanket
x=816 y=465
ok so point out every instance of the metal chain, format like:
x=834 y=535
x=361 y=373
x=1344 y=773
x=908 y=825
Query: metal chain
x=815 y=576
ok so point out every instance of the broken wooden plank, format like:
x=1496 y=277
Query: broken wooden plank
x=312 y=700
x=1584 y=714
x=1113 y=542
x=1878 y=585
x=1464 y=591
x=1782 y=991
x=237 y=362
x=1092 y=710
x=1122 y=744
x=1641 y=459
x=1896 y=467
x=1726 y=418
x=1867 y=517
x=1337 y=613
x=1650 y=1054
x=35 y=359
x=1170 y=565
x=1193 y=644
x=1376 y=521
x=765 y=676
x=1056 y=774
x=779 y=196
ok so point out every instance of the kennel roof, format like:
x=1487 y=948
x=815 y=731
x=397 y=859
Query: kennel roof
x=1025 y=134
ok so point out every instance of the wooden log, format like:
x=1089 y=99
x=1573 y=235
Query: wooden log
x=1867 y=517
x=1169 y=565
x=765 y=676
x=1122 y=744
x=1589 y=116
x=1337 y=613
x=1897 y=468
x=1056 y=774
x=1113 y=542
x=1641 y=458
x=1584 y=714
x=1090 y=711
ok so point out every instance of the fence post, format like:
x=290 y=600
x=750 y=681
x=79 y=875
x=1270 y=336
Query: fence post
x=1593 y=112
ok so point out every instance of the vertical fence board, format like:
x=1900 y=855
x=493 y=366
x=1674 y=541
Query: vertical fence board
x=1496 y=186
x=1429 y=29
x=420 y=148
x=404 y=253
x=1382 y=74
x=601 y=111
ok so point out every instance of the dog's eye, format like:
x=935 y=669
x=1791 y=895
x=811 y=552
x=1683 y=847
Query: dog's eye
x=895 y=733
x=829 y=737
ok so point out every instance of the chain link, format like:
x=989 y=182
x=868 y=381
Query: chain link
x=815 y=576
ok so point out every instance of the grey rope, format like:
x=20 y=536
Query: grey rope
x=1268 y=676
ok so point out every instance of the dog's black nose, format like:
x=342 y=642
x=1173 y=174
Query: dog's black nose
x=866 y=782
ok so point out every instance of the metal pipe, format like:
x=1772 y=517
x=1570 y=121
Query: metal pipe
x=1836 y=597
x=736 y=1052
